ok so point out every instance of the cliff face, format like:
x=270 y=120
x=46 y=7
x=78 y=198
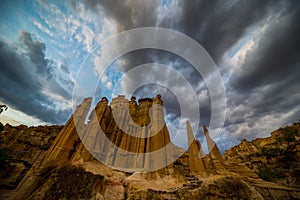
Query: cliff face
x=275 y=159
x=51 y=162
x=67 y=149
x=22 y=146
x=130 y=130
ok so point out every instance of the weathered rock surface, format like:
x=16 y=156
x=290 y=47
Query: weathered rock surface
x=23 y=146
x=275 y=159
x=52 y=162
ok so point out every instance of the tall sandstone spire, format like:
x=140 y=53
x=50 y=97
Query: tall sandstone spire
x=212 y=146
x=214 y=152
x=67 y=138
x=196 y=163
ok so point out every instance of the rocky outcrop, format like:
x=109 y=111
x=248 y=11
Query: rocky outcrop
x=69 y=182
x=67 y=147
x=127 y=132
x=59 y=153
x=67 y=139
x=222 y=188
x=275 y=159
x=197 y=165
x=55 y=164
x=23 y=146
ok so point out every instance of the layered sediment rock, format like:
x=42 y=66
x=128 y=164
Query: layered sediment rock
x=197 y=164
x=59 y=153
x=113 y=120
x=128 y=131
x=22 y=147
x=70 y=165
x=275 y=159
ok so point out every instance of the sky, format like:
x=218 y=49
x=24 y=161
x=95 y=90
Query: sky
x=255 y=45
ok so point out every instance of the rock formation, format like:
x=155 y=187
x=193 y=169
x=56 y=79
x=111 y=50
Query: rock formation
x=23 y=146
x=199 y=163
x=41 y=167
x=123 y=132
x=113 y=120
x=60 y=151
x=214 y=152
x=196 y=154
x=212 y=147
x=275 y=159
x=66 y=140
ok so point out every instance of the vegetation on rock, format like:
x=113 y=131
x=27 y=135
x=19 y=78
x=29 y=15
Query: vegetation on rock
x=70 y=182
x=267 y=174
x=3 y=108
x=3 y=157
x=274 y=159
x=3 y=151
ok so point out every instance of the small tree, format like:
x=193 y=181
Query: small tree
x=267 y=174
x=1 y=127
x=2 y=108
x=3 y=157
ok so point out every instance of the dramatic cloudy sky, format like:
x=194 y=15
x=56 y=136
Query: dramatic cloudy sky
x=254 y=44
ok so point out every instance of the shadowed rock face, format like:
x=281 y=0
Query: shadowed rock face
x=22 y=147
x=82 y=185
x=51 y=162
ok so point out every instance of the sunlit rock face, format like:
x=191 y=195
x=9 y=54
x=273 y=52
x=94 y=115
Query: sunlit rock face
x=115 y=128
x=275 y=159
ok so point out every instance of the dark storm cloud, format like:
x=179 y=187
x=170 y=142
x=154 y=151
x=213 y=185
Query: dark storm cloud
x=140 y=57
x=9 y=57
x=278 y=54
x=268 y=81
x=214 y=24
x=272 y=72
x=36 y=52
x=24 y=75
x=217 y=25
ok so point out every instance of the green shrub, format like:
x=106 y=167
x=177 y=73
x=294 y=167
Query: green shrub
x=267 y=174
x=1 y=127
x=289 y=136
x=273 y=152
x=290 y=133
x=3 y=158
